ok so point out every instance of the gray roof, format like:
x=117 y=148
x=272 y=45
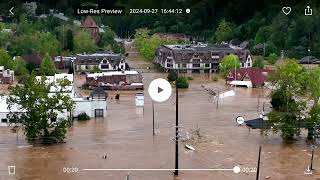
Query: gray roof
x=183 y=53
x=95 y=59
x=98 y=91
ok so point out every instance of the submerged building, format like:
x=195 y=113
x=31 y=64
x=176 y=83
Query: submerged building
x=95 y=105
x=199 y=58
x=116 y=80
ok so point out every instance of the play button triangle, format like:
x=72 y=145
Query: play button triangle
x=160 y=90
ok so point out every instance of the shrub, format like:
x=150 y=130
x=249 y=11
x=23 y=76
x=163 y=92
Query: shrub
x=182 y=82
x=190 y=78
x=272 y=58
x=259 y=62
x=83 y=117
x=172 y=76
x=215 y=77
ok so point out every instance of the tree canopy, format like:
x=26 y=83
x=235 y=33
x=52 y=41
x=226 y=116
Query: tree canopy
x=39 y=109
x=229 y=62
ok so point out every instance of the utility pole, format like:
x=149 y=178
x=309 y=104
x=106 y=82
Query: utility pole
x=153 y=118
x=258 y=166
x=176 y=173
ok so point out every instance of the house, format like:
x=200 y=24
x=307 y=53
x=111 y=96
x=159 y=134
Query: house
x=6 y=76
x=103 y=61
x=116 y=80
x=198 y=58
x=64 y=62
x=68 y=90
x=249 y=77
x=34 y=59
x=94 y=105
x=91 y=25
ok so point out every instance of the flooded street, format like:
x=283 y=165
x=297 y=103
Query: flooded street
x=125 y=136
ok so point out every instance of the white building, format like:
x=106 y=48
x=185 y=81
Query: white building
x=94 y=106
x=103 y=61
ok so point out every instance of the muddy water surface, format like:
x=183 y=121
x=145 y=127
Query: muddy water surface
x=125 y=136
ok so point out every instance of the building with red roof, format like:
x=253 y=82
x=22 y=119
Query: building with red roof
x=250 y=77
x=90 y=24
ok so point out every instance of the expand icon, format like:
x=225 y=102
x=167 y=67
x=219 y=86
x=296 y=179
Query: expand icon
x=286 y=10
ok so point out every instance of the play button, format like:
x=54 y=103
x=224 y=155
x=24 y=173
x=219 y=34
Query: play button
x=159 y=90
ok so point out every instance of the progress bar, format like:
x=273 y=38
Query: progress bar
x=236 y=169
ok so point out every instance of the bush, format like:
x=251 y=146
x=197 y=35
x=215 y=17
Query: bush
x=258 y=62
x=172 y=76
x=182 y=82
x=272 y=59
x=215 y=77
x=83 y=117
x=190 y=78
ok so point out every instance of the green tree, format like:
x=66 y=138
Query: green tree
x=70 y=40
x=259 y=62
x=182 y=82
x=38 y=111
x=47 y=67
x=272 y=58
x=263 y=34
x=83 y=43
x=312 y=85
x=5 y=59
x=287 y=107
x=229 y=62
x=95 y=69
x=20 y=67
x=224 y=31
x=172 y=76
x=36 y=42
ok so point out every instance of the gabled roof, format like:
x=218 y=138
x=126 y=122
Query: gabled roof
x=89 y=22
x=257 y=76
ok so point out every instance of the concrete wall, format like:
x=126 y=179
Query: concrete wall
x=89 y=107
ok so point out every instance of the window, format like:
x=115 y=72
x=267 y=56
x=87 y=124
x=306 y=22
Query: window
x=104 y=61
x=87 y=67
x=98 y=113
x=4 y=120
x=105 y=66
x=196 y=65
x=207 y=65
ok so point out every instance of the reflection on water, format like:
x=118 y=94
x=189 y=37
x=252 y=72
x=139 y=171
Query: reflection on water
x=125 y=135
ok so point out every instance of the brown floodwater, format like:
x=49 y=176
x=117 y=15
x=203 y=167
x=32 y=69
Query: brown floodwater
x=125 y=136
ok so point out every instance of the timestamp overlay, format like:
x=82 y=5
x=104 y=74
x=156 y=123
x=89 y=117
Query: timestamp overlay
x=139 y=11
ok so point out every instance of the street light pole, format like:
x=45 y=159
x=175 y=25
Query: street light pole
x=258 y=166
x=153 y=118
x=176 y=173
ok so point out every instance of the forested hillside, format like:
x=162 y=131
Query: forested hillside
x=260 y=22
